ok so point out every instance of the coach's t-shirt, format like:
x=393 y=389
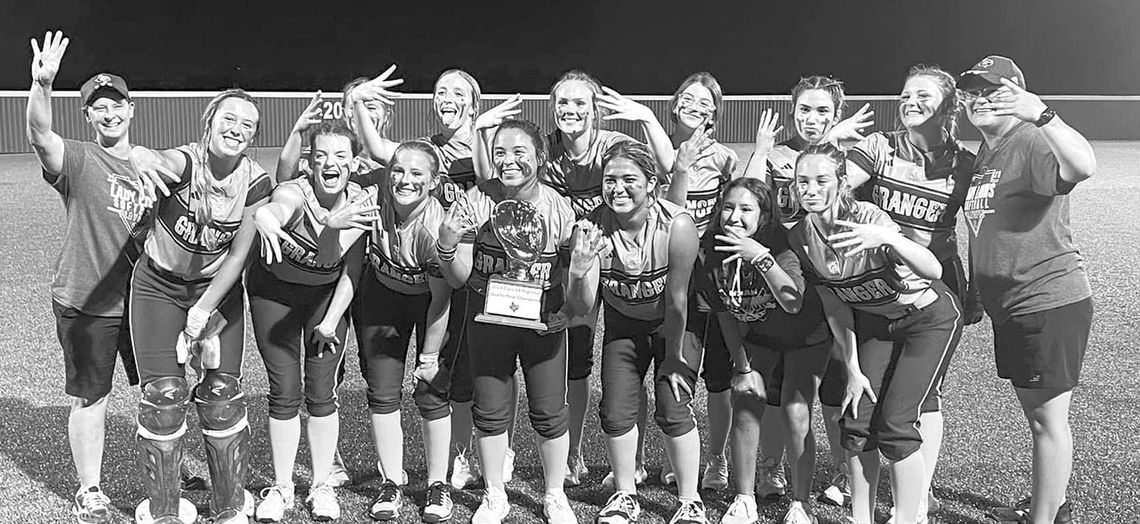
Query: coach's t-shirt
x=1024 y=258
x=107 y=215
x=580 y=178
x=707 y=177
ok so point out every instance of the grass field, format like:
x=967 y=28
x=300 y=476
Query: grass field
x=985 y=458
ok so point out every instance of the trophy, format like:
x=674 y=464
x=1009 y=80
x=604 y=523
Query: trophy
x=514 y=298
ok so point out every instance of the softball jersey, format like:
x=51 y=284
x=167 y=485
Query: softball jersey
x=706 y=179
x=580 y=178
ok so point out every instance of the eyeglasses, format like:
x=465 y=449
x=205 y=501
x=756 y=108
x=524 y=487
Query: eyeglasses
x=703 y=105
x=969 y=95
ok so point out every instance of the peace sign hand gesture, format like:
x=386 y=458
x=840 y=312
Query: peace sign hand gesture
x=45 y=62
x=311 y=116
x=495 y=116
x=1016 y=101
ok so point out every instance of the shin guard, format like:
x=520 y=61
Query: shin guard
x=225 y=430
x=162 y=422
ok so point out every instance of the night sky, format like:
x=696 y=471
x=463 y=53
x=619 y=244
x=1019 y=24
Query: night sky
x=752 y=46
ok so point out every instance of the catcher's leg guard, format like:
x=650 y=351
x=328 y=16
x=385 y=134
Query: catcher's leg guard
x=225 y=430
x=162 y=422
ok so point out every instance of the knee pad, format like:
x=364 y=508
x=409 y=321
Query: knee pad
x=220 y=403
x=225 y=430
x=162 y=422
x=581 y=356
x=162 y=409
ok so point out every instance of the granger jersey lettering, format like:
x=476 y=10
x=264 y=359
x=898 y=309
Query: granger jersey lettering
x=193 y=251
x=708 y=176
x=580 y=178
x=458 y=168
x=489 y=258
x=403 y=256
x=305 y=263
x=873 y=280
x=921 y=193
x=633 y=275
x=781 y=176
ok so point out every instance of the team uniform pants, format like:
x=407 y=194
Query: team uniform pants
x=904 y=359
x=159 y=302
x=284 y=315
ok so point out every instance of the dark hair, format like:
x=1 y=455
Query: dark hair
x=639 y=154
x=846 y=200
x=705 y=79
x=541 y=152
x=335 y=128
x=948 y=111
x=772 y=233
x=591 y=82
x=200 y=179
x=826 y=84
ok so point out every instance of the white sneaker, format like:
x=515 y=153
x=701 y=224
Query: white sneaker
x=509 y=466
x=639 y=477
x=387 y=504
x=838 y=493
x=323 y=505
x=493 y=509
x=621 y=508
x=772 y=482
x=923 y=514
x=557 y=508
x=690 y=512
x=402 y=481
x=339 y=475
x=464 y=471
x=187 y=512
x=576 y=470
x=274 y=501
x=438 y=504
x=798 y=515
x=668 y=478
x=741 y=511
x=716 y=474
x=91 y=506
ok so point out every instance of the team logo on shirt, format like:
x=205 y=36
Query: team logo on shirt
x=875 y=288
x=910 y=206
x=977 y=205
x=635 y=289
x=701 y=204
x=128 y=201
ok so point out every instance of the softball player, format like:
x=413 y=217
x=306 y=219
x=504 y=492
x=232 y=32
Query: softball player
x=639 y=250
x=187 y=299
x=907 y=324
x=469 y=253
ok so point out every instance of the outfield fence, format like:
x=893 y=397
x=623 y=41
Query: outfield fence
x=170 y=118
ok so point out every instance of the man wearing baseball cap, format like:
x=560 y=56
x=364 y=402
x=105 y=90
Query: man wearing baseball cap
x=106 y=200
x=1030 y=273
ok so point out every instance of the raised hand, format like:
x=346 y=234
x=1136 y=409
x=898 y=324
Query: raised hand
x=271 y=234
x=590 y=244
x=378 y=88
x=1014 y=100
x=695 y=149
x=459 y=222
x=742 y=248
x=311 y=116
x=622 y=108
x=860 y=237
x=45 y=61
x=356 y=214
x=766 y=132
x=851 y=128
x=496 y=115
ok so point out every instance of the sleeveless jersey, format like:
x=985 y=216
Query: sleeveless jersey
x=193 y=251
x=921 y=194
x=874 y=280
x=706 y=179
x=580 y=179
x=782 y=175
x=402 y=256
x=306 y=264
x=633 y=275
x=458 y=168
x=489 y=258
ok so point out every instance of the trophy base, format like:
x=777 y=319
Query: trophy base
x=510 y=321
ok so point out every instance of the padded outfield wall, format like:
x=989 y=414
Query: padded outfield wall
x=167 y=119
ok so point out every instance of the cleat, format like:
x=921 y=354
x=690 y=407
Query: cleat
x=91 y=506
x=493 y=509
x=621 y=508
x=838 y=493
x=187 y=514
x=690 y=512
x=797 y=514
x=339 y=475
x=275 y=500
x=323 y=505
x=387 y=504
x=741 y=511
x=716 y=474
x=772 y=482
x=464 y=471
x=438 y=505
x=557 y=509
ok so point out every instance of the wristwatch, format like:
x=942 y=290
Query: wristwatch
x=1046 y=116
x=765 y=264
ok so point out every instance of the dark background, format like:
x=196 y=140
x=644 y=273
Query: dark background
x=752 y=46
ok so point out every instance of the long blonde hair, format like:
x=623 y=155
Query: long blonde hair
x=202 y=180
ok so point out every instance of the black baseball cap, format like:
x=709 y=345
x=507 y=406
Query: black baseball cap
x=103 y=81
x=991 y=69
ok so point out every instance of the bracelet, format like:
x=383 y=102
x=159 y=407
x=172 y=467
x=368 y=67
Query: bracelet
x=763 y=262
x=429 y=358
x=746 y=371
x=445 y=254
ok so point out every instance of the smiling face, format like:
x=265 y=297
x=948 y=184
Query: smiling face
x=978 y=109
x=814 y=115
x=377 y=114
x=574 y=107
x=233 y=127
x=110 y=115
x=333 y=163
x=625 y=187
x=515 y=157
x=453 y=101
x=695 y=106
x=412 y=177
x=817 y=185
x=741 y=214
x=920 y=101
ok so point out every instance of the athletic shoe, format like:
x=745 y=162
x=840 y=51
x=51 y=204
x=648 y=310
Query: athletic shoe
x=716 y=474
x=621 y=508
x=509 y=466
x=557 y=508
x=1020 y=512
x=339 y=475
x=387 y=504
x=91 y=506
x=668 y=478
x=772 y=482
x=464 y=471
x=493 y=509
x=274 y=501
x=639 y=477
x=798 y=515
x=402 y=481
x=690 y=512
x=323 y=505
x=923 y=518
x=247 y=506
x=187 y=512
x=231 y=516
x=741 y=511
x=438 y=506
x=576 y=470
x=839 y=492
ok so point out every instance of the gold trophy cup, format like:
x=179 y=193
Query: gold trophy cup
x=514 y=298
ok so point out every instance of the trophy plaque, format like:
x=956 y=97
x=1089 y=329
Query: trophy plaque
x=513 y=297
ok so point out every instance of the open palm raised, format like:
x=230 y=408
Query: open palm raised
x=45 y=61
